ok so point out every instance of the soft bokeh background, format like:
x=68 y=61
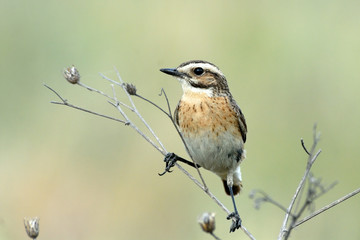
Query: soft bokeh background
x=289 y=64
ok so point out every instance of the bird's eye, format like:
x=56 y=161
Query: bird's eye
x=198 y=71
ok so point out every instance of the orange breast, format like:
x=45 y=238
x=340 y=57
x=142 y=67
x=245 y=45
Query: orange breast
x=199 y=114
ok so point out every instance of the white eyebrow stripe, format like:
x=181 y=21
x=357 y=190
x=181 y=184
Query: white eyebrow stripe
x=205 y=66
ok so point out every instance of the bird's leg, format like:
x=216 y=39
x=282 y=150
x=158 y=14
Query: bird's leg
x=236 y=224
x=170 y=160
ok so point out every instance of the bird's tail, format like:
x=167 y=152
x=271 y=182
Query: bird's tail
x=236 y=188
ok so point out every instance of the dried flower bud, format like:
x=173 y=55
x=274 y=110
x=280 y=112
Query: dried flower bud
x=32 y=227
x=72 y=75
x=130 y=88
x=207 y=222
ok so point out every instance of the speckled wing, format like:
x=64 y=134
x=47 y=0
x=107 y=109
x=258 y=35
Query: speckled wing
x=241 y=119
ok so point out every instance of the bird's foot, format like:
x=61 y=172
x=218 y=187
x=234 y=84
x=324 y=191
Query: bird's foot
x=236 y=221
x=170 y=160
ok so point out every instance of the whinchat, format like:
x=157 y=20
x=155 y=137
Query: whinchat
x=211 y=124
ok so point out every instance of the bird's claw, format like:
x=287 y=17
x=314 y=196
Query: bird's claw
x=170 y=160
x=236 y=221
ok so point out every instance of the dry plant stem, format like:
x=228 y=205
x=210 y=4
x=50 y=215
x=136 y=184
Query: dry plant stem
x=284 y=233
x=169 y=114
x=186 y=146
x=121 y=84
x=65 y=103
x=311 y=159
x=267 y=198
x=325 y=190
x=129 y=123
x=213 y=198
x=214 y=236
x=133 y=109
x=102 y=93
x=327 y=207
x=93 y=89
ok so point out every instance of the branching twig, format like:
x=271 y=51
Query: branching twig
x=182 y=139
x=311 y=159
x=313 y=191
x=65 y=103
x=314 y=185
x=264 y=198
x=116 y=103
x=169 y=115
x=327 y=207
x=122 y=85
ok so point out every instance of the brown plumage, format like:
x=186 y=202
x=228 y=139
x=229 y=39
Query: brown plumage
x=211 y=123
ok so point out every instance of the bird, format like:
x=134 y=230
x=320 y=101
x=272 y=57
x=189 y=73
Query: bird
x=212 y=126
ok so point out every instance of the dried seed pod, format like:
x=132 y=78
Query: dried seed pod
x=207 y=222
x=72 y=75
x=130 y=88
x=32 y=227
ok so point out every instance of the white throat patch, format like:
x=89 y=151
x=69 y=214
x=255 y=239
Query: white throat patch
x=187 y=88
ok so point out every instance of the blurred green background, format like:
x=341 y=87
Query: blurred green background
x=289 y=64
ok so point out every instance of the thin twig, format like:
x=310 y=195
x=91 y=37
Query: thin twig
x=169 y=114
x=167 y=100
x=101 y=93
x=212 y=196
x=298 y=202
x=155 y=105
x=326 y=190
x=214 y=236
x=128 y=122
x=93 y=89
x=311 y=160
x=65 y=103
x=265 y=198
x=301 y=184
x=303 y=145
x=138 y=130
x=183 y=140
x=121 y=84
x=327 y=207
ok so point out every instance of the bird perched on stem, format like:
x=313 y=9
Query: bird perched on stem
x=211 y=124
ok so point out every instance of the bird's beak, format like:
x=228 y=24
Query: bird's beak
x=172 y=72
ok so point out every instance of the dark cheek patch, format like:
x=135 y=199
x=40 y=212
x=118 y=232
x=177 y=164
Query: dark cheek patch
x=198 y=84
